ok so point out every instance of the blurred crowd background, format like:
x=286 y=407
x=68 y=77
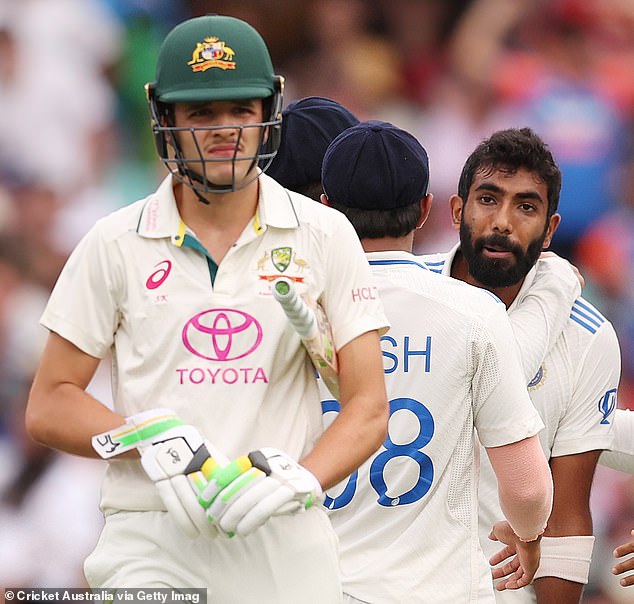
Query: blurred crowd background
x=75 y=144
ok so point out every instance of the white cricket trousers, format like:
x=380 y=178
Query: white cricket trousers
x=290 y=559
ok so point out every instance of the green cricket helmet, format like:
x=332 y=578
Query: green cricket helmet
x=213 y=58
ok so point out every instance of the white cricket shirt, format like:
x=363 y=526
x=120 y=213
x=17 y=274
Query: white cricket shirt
x=574 y=390
x=621 y=455
x=407 y=520
x=210 y=341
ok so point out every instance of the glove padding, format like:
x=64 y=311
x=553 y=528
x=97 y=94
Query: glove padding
x=174 y=456
x=179 y=466
x=271 y=483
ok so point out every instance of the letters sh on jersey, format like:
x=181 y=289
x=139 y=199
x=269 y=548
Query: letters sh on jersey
x=405 y=355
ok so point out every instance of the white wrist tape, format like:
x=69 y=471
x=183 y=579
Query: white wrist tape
x=566 y=558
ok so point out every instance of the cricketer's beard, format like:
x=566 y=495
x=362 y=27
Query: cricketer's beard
x=497 y=273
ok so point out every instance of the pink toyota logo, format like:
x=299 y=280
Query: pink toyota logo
x=222 y=334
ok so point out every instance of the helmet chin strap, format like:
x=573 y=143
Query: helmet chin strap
x=189 y=177
x=200 y=197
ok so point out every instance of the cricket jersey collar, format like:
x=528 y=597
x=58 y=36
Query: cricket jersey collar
x=451 y=254
x=394 y=257
x=275 y=206
x=160 y=218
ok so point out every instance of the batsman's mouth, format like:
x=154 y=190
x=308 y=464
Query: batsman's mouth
x=497 y=253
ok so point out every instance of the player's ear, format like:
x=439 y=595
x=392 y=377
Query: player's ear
x=425 y=208
x=324 y=199
x=553 y=223
x=456 y=204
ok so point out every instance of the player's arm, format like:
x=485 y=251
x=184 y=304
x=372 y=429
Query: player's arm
x=525 y=486
x=525 y=493
x=539 y=316
x=582 y=433
x=60 y=413
x=507 y=425
x=361 y=426
x=569 y=531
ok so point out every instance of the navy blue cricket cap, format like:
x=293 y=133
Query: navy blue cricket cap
x=375 y=166
x=308 y=126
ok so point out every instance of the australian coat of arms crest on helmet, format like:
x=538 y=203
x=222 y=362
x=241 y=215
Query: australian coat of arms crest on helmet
x=212 y=52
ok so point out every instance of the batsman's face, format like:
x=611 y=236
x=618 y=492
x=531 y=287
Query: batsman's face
x=224 y=138
x=503 y=225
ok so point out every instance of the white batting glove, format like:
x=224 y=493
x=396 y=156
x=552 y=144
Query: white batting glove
x=174 y=456
x=271 y=484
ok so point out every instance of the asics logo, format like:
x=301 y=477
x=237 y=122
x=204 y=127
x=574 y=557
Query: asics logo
x=159 y=275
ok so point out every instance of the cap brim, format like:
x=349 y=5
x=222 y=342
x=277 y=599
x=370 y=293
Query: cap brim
x=209 y=94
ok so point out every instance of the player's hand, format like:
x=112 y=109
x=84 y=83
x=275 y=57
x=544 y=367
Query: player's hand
x=521 y=569
x=626 y=565
x=180 y=465
x=174 y=456
x=549 y=255
x=271 y=483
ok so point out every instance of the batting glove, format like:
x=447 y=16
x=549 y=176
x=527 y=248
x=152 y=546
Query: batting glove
x=174 y=456
x=270 y=483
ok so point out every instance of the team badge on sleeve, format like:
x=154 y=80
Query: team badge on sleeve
x=607 y=405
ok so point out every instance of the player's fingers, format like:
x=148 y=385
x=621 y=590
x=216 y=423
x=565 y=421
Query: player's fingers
x=267 y=507
x=230 y=495
x=227 y=479
x=228 y=512
x=623 y=567
x=520 y=579
x=501 y=555
x=175 y=509
x=627 y=581
x=190 y=505
x=624 y=550
x=513 y=583
x=505 y=570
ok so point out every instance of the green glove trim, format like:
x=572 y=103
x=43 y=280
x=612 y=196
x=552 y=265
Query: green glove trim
x=147 y=431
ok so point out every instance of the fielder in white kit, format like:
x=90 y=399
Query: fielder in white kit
x=506 y=213
x=407 y=519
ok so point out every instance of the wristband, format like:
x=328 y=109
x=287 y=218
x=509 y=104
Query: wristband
x=566 y=558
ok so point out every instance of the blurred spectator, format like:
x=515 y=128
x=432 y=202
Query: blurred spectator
x=612 y=505
x=463 y=109
x=606 y=255
x=345 y=60
x=57 y=141
x=418 y=31
x=565 y=100
x=57 y=105
x=33 y=523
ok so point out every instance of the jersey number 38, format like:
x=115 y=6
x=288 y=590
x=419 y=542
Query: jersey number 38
x=392 y=450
